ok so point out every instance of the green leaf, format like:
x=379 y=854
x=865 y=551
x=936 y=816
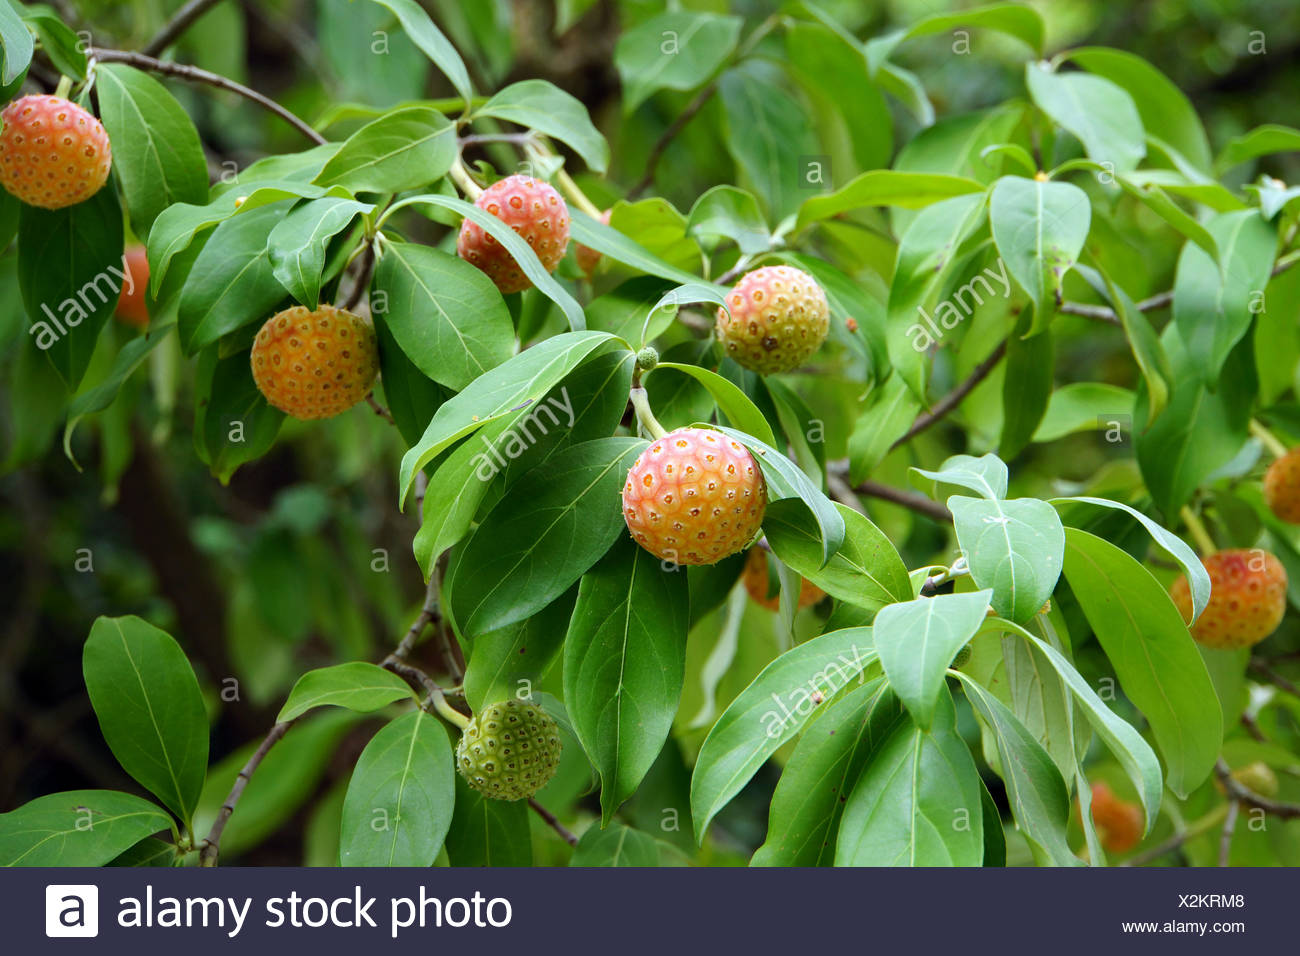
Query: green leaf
x=508 y=661
x=412 y=397
x=1165 y=111
x=918 y=639
x=619 y=247
x=150 y=709
x=773 y=709
x=1099 y=113
x=1214 y=304
x=1013 y=547
x=405 y=149
x=420 y=28
x=17 y=42
x=1083 y=406
x=617 y=845
x=665 y=309
x=523 y=380
x=542 y=537
x=766 y=135
x=913 y=803
x=1134 y=754
x=358 y=686
x=866 y=571
x=786 y=480
x=124 y=365
x=1155 y=199
x=725 y=212
x=810 y=795
x=546 y=108
x=77 y=827
x=517 y=247
x=487 y=832
x=928 y=252
x=299 y=243
x=673 y=51
x=233 y=423
x=986 y=475
x=232 y=283
x=1012 y=19
x=399 y=802
x=892 y=410
x=1038 y=796
x=446 y=315
x=1260 y=141
x=1039 y=228
x=70 y=271
x=739 y=408
x=1026 y=387
x=624 y=664
x=1142 y=339
x=886 y=187
x=1154 y=657
x=156 y=151
x=1174 y=546
x=64 y=47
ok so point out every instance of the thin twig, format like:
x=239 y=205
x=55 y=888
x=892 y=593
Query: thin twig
x=1273 y=677
x=178 y=24
x=428 y=615
x=1236 y=790
x=379 y=410
x=1229 y=827
x=212 y=845
x=362 y=279
x=193 y=74
x=908 y=499
x=1252 y=728
x=953 y=398
x=842 y=491
x=549 y=818
x=668 y=135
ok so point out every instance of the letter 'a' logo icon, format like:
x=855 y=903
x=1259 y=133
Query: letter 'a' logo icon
x=71 y=910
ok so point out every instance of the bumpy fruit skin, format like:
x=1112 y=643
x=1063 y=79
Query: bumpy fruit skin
x=315 y=364
x=131 y=306
x=586 y=257
x=509 y=750
x=1282 y=486
x=531 y=208
x=778 y=319
x=1247 y=598
x=756 y=581
x=1259 y=777
x=694 y=496
x=52 y=152
x=962 y=658
x=1119 y=822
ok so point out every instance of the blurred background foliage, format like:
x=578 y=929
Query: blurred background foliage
x=303 y=559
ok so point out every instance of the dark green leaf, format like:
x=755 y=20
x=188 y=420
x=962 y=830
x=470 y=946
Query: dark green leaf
x=77 y=828
x=405 y=149
x=357 y=685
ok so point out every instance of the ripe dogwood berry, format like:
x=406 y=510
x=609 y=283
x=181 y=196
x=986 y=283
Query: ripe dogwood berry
x=1247 y=598
x=52 y=152
x=509 y=750
x=315 y=364
x=1282 y=486
x=586 y=257
x=694 y=496
x=531 y=208
x=756 y=583
x=1119 y=822
x=778 y=319
x=132 y=308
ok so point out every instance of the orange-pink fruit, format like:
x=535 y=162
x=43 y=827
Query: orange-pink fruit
x=779 y=318
x=52 y=152
x=131 y=306
x=694 y=496
x=315 y=364
x=535 y=211
x=1119 y=822
x=756 y=582
x=1247 y=598
x=1282 y=486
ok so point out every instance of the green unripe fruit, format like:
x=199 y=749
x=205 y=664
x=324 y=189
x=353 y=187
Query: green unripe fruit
x=1257 y=776
x=962 y=657
x=509 y=750
x=647 y=358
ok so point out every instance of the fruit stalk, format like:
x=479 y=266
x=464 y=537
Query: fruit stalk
x=641 y=405
x=1196 y=529
x=1267 y=438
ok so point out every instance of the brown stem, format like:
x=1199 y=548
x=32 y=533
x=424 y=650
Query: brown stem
x=908 y=499
x=1273 y=677
x=1229 y=827
x=212 y=845
x=953 y=398
x=362 y=279
x=1239 y=792
x=668 y=135
x=379 y=410
x=549 y=818
x=193 y=74
x=178 y=24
